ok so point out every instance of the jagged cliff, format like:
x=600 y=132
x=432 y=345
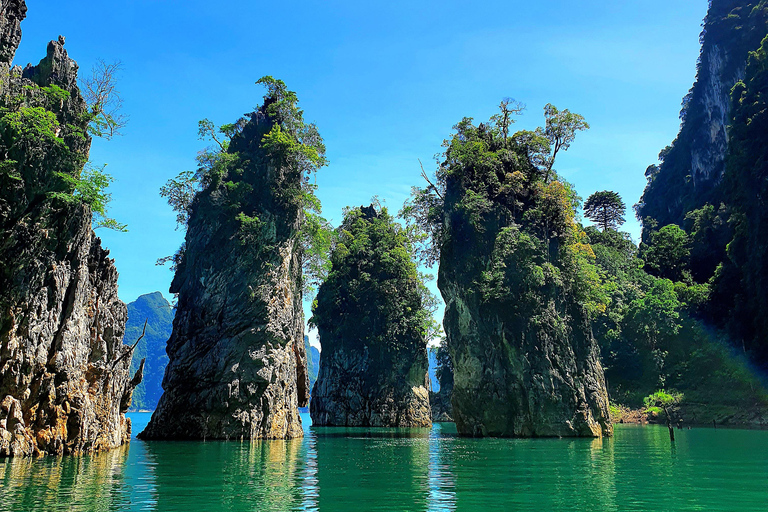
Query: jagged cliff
x=371 y=321
x=64 y=372
x=237 y=364
x=693 y=165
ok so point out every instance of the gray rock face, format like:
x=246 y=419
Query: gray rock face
x=12 y=13
x=64 y=372
x=525 y=367
x=351 y=391
x=237 y=362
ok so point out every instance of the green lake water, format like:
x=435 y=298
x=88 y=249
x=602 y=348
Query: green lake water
x=338 y=469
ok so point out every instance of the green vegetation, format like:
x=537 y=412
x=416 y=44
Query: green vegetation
x=666 y=402
x=374 y=295
x=255 y=201
x=650 y=335
x=44 y=150
x=709 y=230
x=493 y=178
x=606 y=209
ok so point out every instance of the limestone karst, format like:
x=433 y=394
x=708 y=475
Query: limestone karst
x=64 y=372
x=371 y=320
x=237 y=363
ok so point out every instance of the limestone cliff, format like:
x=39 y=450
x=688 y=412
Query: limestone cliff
x=64 y=372
x=370 y=319
x=692 y=166
x=237 y=362
x=519 y=286
x=522 y=367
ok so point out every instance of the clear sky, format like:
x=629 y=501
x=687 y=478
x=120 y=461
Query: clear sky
x=383 y=81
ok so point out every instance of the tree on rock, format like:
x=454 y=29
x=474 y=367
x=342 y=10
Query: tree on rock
x=518 y=278
x=606 y=209
x=237 y=361
x=374 y=316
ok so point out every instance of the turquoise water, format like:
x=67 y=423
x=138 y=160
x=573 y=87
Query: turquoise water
x=409 y=469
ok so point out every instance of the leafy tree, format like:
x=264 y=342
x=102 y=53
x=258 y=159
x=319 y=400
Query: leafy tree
x=90 y=188
x=652 y=319
x=668 y=402
x=560 y=130
x=606 y=209
x=668 y=253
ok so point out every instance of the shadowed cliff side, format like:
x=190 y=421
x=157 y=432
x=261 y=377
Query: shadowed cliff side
x=64 y=372
x=237 y=364
x=373 y=327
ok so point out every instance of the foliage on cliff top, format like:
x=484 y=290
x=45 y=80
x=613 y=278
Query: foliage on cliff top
x=259 y=171
x=507 y=185
x=44 y=146
x=374 y=295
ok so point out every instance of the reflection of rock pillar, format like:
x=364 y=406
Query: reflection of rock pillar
x=442 y=481
x=390 y=466
x=90 y=483
x=267 y=473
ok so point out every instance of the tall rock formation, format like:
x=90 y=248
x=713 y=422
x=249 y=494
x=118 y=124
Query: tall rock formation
x=371 y=320
x=153 y=309
x=237 y=363
x=64 y=372
x=518 y=281
x=693 y=165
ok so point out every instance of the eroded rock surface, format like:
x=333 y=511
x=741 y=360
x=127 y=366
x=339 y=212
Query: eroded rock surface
x=64 y=372
x=373 y=363
x=237 y=364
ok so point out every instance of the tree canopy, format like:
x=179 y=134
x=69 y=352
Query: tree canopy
x=374 y=294
x=606 y=209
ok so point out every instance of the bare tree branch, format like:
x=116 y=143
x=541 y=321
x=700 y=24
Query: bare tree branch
x=432 y=185
x=104 y=101
x=130 y=350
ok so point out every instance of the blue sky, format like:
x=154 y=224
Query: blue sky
x=384 y=82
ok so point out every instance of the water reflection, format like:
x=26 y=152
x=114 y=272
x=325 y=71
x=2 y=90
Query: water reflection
x=372 y=469
x=65 y=483
x=267 y=475
x=407 y=469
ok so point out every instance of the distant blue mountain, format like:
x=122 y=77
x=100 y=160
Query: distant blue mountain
x=313 y=362
x=158 y=314
x=433 y=369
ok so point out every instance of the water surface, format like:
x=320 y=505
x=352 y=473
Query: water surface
x=404 y=469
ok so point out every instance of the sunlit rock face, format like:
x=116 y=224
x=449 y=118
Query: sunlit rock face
x=64 y=372
x=524 y=366
x=237 y=364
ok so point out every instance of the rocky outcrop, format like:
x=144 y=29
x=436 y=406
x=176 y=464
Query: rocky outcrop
x=373 y=363
x=525 y=363
x=12 y=13
x=237 y=362
x=64 y=372
x=693 y=165
x=528 y=369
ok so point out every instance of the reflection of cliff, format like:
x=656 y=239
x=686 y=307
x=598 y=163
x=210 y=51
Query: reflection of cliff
x=372 y=469
x=258 y=475
x=69 y=483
